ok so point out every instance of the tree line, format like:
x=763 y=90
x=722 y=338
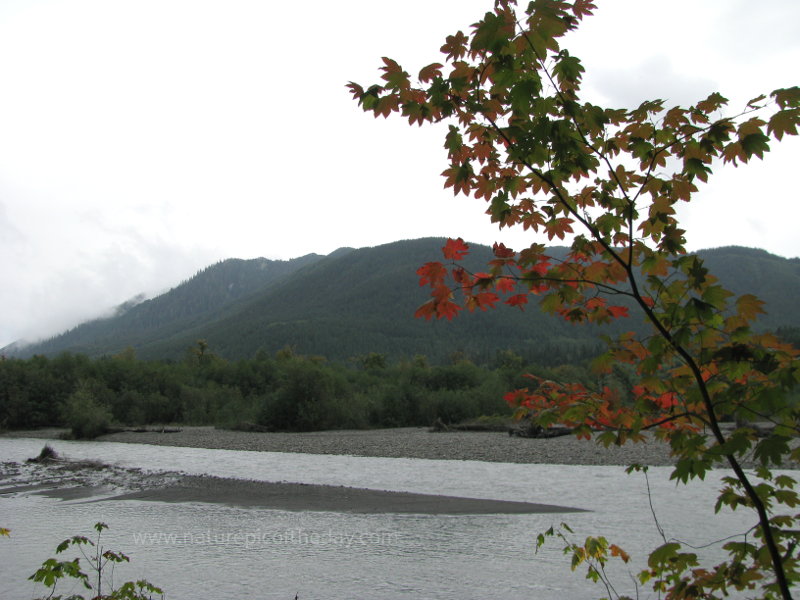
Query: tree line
x=284 y=391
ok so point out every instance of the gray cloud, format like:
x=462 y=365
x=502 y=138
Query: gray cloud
x=9 y=233
x=94 y=274
x=654 y=78
x=752 y=35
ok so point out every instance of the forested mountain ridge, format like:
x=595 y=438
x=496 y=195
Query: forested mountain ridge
x=774 y=279
x=364 y=301
x=353 y=302
x=200 y=299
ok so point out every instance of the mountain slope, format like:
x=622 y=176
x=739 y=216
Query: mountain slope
x=774 y=279
x=200 y=299
x=353 y=302
x=364 y=302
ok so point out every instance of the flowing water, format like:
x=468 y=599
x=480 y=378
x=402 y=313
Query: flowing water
x=208 y=551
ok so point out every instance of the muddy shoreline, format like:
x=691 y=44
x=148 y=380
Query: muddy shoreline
x=88 y=481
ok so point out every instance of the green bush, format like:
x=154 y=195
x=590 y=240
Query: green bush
x=400 y=405
x=128 y=408
x=461 y=376
x=231 y=408
x=308 y=398
x=85 y=413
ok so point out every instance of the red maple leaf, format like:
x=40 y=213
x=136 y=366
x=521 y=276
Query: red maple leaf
x=618 y=311
x=518 y=300
x=486 y=300
x=500 y=251
x=427 y=310
x=540 y=268
x=505 y=285
x=667 y=400
x=431 y=273
x=455 y=249
x=447 y=309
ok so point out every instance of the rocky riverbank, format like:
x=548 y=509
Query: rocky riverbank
x=412 y=442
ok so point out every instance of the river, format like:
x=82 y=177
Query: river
x=203 y=551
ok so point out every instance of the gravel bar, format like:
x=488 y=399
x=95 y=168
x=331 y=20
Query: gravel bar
x=413 y=442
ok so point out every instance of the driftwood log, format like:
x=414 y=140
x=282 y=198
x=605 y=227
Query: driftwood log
x=531 y=430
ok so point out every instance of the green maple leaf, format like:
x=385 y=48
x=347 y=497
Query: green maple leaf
x=490 y=34
x=717 y=296
x=500 y=209
x=755 y=143
x=568 y=69
x=772 y=449
x=697 y=273
x=784 y=122
x=523 y=93
x=694 y=167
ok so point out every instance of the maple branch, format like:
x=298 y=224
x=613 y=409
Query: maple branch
x=585 y=221
x=713 y=423
x=683 y=415
x=554 y=188
x=553 y=166
x=769 y=418
x=652 y=508
x=686 y=136
x=598 y=284
x=608 y=289
x=579 y=129
x=687 y=358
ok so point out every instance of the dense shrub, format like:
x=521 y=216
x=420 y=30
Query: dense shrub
x=85 y=413
x=308 y=398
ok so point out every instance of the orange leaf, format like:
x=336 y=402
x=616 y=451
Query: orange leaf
x=487 y=300
x=749 y=306
x=540 y=268
x=505 y=285
x=558 y=227
x=617 y=551
x=430 y=72
x=386 y=105
x=447 y=309
x=618 y=311
x=459 y=178
x=667 y=400
x=455 y=249
x=583 y=8
x=427 y=310
x=356 y=90
x=500 y=251
x=519 y=300
x=455 y=46
x=432 y=273
x=595 y=302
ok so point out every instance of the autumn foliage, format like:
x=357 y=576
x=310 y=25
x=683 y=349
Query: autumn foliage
x=608 y=180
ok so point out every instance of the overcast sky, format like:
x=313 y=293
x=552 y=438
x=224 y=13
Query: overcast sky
x=143 y=140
